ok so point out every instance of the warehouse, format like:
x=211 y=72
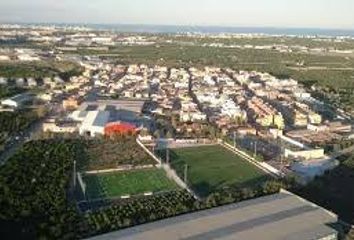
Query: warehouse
x=279 y=216
x=100 y=117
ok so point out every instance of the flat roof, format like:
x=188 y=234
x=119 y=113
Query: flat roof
x=95 y=119
x=104 y=105
x=279 y=216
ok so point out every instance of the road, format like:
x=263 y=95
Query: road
x=16 y=142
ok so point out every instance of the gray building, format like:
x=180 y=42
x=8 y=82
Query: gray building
x=279 y=216
x=18 y=100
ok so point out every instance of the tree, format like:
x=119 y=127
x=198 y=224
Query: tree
x=157 y=134
x=169 y=134
x=271 y=187
x=350 y=235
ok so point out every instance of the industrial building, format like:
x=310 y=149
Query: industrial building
x=101 y=117
x=279 y=216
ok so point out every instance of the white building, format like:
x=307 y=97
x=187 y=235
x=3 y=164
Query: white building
x=31 y=82
x=28 y=58
x=230 y=109
x=4 y=58
x=3 y=81
x=18 y=100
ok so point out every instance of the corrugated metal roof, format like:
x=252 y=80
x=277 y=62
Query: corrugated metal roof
x=101 y=119
x=95 y=119
x=279 y=216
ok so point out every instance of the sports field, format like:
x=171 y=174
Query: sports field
x=109 y=185
x=213 y=167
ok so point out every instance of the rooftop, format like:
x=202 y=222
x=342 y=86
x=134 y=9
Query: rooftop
x=279 y=216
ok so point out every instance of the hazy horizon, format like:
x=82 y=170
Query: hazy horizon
x=172 y=25
x=322 y=14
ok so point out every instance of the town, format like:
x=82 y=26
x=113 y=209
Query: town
x=275 y=120
x=110 y=139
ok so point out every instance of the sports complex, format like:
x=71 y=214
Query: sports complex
x=204 y=169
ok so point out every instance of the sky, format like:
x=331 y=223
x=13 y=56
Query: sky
x=233 y=13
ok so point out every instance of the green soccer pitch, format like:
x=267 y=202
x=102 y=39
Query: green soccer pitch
x=117 y=184
x=210 y=168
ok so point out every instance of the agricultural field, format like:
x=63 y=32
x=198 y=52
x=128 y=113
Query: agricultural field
x=40 y=69
x=110 y=185
x=323 y=69
x=211 y=168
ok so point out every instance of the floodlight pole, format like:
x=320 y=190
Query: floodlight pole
x=185 y=173
x=234 y=139
x=281 y=154
x=74 y=177
x=167 y=156
x=255 y=148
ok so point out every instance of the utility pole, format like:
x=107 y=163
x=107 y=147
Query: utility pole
x=185 y=173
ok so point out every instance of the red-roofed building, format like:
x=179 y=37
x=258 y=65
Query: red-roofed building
x=119 y=128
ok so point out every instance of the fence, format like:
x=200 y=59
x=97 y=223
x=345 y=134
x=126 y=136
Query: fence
x=120 y=169
x=262 y=165
x=183 y=143
x=148 y=152
x=169 y=171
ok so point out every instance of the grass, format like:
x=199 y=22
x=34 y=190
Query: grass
x=212 y=167
x=109 y=185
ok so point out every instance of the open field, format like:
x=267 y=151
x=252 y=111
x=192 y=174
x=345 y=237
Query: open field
x=118 y=184
x=213 y=167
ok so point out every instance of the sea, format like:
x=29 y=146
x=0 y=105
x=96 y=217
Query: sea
x=173 y=29
x=220 y=30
